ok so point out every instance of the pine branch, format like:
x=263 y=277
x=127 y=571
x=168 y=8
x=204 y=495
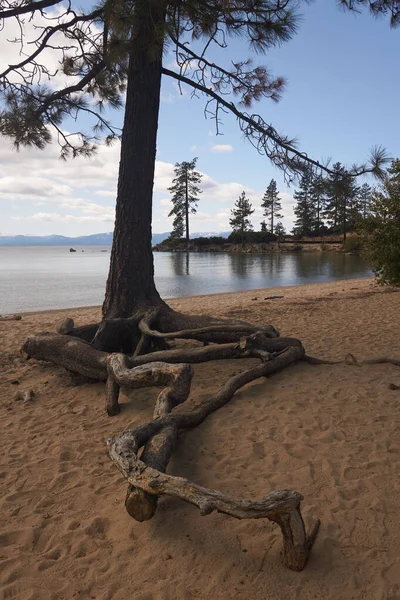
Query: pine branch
x=267 y=132
x=27 y=7
x=78 y=87
x=43 y=44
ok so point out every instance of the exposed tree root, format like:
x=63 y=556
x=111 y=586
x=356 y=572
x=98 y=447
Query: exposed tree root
x=147 y=480
x=134 y=353
x=72 y=353
x=10 y=317
x=350 y=359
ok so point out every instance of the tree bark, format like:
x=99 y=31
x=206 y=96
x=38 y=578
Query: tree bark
x=187 y=209
x=130 y=281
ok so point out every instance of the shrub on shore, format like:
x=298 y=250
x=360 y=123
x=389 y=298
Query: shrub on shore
x=353 y=244
x=381 y=229
x=251 y=237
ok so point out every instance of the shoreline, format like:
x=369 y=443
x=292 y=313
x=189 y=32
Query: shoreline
x=267 y=291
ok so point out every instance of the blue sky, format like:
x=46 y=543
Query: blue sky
x=342 y=96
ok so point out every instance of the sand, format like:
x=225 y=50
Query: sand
x=330 y=432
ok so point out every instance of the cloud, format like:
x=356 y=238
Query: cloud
x=84 y=191
x=222 y=148
x=165 y=202
x=56 y=217
x=33 y=187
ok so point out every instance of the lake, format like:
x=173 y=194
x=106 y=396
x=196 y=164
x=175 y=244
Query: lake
x=46 y=277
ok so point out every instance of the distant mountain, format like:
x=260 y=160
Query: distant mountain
x=97 y=239
x=208 y=234
x=55 y=240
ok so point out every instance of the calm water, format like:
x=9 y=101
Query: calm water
x=39 y=278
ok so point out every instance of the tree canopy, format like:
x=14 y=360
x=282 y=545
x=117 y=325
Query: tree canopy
x=381 y=229
x=90 y=52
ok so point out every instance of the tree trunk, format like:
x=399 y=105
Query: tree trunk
x=272 y=217
x=130 y=283
x=187 y=208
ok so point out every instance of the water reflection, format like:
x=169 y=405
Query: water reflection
x=55 y=278
x=180 y=262
x=240 y=264
x=186 y=274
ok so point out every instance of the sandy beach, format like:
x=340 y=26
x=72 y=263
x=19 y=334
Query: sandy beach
x=331 y=432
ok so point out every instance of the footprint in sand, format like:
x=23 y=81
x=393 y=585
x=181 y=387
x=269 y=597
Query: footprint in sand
x=258 y=449
x=392 y=574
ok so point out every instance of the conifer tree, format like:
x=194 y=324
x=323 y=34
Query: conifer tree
x=184 y=192
x=263 y=226
x=318 y=201
x=364 y=199
x=240 y=221
x=280 y=232
x=333 y=195
x=305 y=209
x=341 y=203
x=271 y=204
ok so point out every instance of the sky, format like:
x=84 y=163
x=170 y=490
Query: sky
x=341 y=99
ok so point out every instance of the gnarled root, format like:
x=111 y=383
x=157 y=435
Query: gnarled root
x=148 y=480
x=73 y=354
x=78 y=356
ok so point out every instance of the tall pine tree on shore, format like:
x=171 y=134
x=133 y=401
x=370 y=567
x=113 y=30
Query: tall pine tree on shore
x=240 y=221
x=341 y=200
x=318 y=201
x=271 y=204
x=185 y=193
x=364 y=198
x=280 y=232
x=304 y=209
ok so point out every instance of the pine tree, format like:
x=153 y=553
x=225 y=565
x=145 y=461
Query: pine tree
x=341 y=200
x=318 y=188
x=263 y=226
x=305 y=209
x=271 y=204
x=280 y=232
x=184 y=192
x=240 y=213
x=364 y=198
